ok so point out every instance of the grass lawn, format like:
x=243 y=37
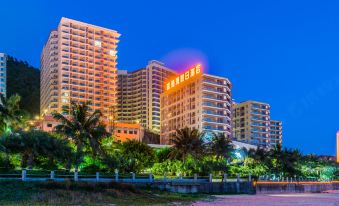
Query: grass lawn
x=70 y=193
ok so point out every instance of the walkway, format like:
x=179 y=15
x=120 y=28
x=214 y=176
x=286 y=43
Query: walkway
x=319 y=199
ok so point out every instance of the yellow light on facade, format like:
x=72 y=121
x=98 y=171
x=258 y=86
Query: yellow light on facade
x=183 y=77
x=177 y=80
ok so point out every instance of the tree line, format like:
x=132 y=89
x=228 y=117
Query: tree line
x=81 y=143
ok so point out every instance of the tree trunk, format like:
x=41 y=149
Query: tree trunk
x=24 y=159
x=30 y=161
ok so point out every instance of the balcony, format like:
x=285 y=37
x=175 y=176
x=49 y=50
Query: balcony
x=213 y=98
x=213 y=90
x=207 y=112
x=209 y=120
x=213 y=82
x=213 y=105
x=214 y=128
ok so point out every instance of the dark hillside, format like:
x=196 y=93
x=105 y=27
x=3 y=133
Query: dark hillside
x=24 y=80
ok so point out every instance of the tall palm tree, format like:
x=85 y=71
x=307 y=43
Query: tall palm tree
x=82 y=127
x=186 y=142
x=31 y=144
x=9 y=112
x=221 y=146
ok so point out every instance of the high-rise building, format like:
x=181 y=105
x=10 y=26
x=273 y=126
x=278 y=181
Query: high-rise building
x=275 y=133
x=139 y=95
x=79 y=63
x=3 y=73
x=196 y=100
x=251 y=123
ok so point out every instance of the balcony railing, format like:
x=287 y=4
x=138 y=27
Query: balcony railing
x=213 y=105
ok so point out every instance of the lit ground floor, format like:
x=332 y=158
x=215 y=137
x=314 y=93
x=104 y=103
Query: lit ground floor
x=314 y=199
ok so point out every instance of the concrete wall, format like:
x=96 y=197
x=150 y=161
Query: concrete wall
x=209 y=187
x=275 y=188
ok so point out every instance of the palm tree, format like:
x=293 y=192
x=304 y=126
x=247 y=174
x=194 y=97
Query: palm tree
x=186 y=142
x=221 y=146
x=259 y=154
x=82 y=127
x=9 y=112
x=33 y=144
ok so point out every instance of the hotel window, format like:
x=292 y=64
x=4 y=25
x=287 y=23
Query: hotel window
x=97 y=43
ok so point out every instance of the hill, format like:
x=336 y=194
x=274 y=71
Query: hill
x=24 y=80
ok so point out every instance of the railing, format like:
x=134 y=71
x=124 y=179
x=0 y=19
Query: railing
x=29 y=176
x=212 y=105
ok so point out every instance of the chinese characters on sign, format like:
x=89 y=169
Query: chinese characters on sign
x=183 y=77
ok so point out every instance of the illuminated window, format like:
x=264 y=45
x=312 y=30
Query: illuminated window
x=112 y=52
x=172 y=83
x=97 y=43
x=64 y=100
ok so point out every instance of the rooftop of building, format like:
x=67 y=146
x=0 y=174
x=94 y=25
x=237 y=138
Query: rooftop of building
x=250 y=102
x=87 y=24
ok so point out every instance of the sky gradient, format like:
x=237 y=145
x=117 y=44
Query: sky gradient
x=285 y=53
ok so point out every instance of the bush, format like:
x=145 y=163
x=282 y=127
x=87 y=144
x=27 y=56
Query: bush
x=137 y=156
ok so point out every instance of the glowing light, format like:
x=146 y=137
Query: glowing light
x=112 y=52
x=97 y=43
x=238 y=155
x=183 y=77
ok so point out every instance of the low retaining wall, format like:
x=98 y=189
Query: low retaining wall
x=297 y=187
x=210 y=187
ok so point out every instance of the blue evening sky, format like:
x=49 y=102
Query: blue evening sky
x=285 y=53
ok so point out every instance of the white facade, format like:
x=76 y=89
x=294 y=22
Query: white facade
x=196 y=100
x=252 y=124
x=3 y=73
x=79 y=64
x=139 y=92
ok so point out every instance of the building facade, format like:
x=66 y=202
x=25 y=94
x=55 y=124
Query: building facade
x=126 y=131
x=251 y=123
x=275 y=132
x=196 y=100
x=79 y=64
x=139 y=95
x=3 y=73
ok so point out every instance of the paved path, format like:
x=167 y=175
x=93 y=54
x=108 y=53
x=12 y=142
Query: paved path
x=323 y=199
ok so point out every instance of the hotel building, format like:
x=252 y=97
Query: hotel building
x=79 y=63
x=251 y=124
x=3 y=73
x=139 y=92
x=196 y=100
x=275 y=132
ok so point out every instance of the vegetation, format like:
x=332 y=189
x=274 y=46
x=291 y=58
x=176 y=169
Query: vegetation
x=81 y=143
x=24 y=80
x=70 y=193
x=38 y=147
x=82 y=128
x=186 y=142
x=10 y=114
